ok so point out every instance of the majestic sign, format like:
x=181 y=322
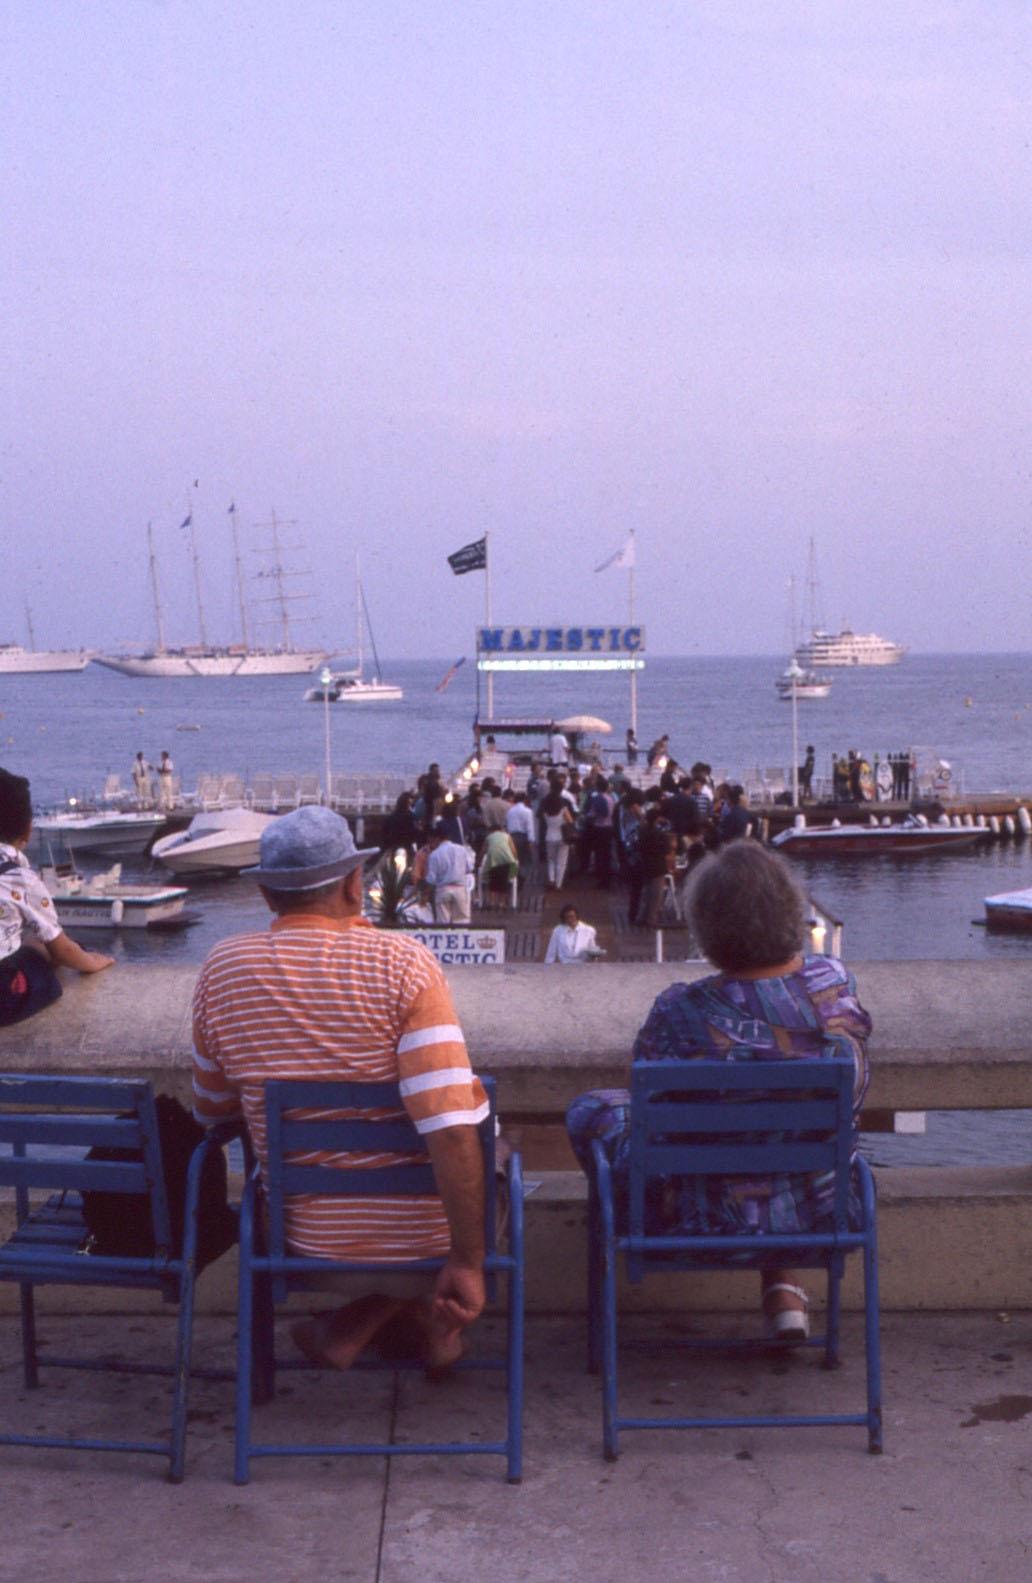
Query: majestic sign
x=556 y=641
x=464 y=947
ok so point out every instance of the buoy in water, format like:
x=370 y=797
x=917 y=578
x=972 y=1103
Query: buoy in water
x=1024 y=821
x=1008 y=825
x=994 y=824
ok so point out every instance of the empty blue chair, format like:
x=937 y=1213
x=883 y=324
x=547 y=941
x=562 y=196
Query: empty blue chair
x=46 y=1126
x=268 y=1272
x=717 y=1118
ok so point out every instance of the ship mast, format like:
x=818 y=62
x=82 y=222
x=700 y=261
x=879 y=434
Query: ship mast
x=239 y=577
x=28 y=623
x=189 y=523
x=154 y=589
x=811 y=588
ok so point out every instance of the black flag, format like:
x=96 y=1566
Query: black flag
x=471 y=558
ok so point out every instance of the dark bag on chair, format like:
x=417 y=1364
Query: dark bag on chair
x=120 y=1223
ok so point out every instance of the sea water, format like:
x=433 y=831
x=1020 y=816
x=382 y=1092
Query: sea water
x=68 y=732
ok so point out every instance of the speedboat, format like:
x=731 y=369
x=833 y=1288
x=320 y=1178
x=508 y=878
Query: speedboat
x=1010 y=910
x=345 y=688
x=913 y=836
x=99 y=829
x=104 y=902
x=223 y=840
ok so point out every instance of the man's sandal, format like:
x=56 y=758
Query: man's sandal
x=789 y=1326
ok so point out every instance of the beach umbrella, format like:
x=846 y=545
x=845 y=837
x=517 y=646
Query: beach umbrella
x=577 y=723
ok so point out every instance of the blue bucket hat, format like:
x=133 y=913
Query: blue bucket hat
x=306 y=849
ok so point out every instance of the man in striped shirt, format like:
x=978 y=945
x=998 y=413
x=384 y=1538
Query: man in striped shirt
x=324 y=995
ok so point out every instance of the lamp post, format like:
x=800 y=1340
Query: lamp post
x=326 y=678
x=795 y=676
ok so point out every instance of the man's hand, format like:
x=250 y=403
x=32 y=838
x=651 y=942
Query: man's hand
x=458 y=1295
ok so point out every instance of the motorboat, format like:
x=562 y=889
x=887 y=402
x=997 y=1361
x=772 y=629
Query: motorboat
x=98 y=829
x=104 y=902
x=915 y=836
x=1011 y=911
x=219 y=841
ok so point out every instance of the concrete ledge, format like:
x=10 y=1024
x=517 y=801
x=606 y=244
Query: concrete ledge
x=947 y=1035
x=947 y=1241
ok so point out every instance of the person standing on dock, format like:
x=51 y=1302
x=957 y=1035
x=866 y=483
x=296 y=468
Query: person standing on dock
x=141 y=773
x=166 y=770
x=447 y=878
x=558 y=747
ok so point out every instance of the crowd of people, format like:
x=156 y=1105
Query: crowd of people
x=574 y=821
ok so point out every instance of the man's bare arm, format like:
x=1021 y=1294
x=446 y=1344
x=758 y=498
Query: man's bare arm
x=458 y=1164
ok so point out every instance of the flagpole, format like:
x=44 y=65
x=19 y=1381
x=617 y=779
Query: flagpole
x=487 y=618
x=630 y=623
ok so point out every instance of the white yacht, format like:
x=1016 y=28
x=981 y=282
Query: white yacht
x=16 y=661
x=97 y=829
x=848 y=648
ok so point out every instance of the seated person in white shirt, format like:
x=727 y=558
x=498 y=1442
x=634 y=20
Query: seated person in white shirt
x=572 y=941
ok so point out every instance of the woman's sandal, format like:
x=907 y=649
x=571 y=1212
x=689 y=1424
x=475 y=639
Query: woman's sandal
x=789 y=1326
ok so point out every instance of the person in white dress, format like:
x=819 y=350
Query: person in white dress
x=572 y=941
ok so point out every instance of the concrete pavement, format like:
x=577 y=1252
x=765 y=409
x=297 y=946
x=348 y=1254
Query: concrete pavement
x=951 y=1498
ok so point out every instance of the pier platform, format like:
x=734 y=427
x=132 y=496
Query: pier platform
x=947 y=1502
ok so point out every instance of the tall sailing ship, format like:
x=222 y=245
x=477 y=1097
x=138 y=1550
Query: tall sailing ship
x=234 y=659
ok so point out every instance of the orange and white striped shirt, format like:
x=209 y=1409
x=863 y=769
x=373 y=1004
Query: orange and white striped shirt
x=329 y=999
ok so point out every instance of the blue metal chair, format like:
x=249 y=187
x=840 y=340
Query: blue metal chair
x=717 y=1118
x=268 y=1272
x=48 y=1123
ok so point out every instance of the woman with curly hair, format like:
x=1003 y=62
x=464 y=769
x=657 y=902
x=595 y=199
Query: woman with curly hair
x=767 y=1002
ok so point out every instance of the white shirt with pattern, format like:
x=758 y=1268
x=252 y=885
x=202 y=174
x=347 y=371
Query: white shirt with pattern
x=25 y=902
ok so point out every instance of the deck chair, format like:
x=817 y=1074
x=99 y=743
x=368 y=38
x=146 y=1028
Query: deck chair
x=48 y=1123
x=286 y=791
x=309 y=789
x=268 y=1273
x=263 y=792
x=699 y=1118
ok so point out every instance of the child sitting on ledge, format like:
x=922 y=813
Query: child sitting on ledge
x=28 y=982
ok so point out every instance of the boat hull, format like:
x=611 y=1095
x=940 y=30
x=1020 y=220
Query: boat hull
x=1010 y=912
x=273 y=663
x=861 y=840
x=125 y=907
x=29 y=662
x=115 y=832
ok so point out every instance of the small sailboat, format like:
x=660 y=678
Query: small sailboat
x=795 y=682
x=345 y=687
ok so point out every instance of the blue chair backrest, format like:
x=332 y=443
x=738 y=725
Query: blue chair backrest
x=41 y=1114
x=749 y=1118
x=303 y=1117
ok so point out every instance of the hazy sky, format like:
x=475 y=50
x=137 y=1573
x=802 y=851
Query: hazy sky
x=731 y=273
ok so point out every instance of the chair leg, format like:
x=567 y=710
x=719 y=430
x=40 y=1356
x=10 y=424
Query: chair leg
x=514 y=1381
x=610 y=1436
x=245 y=1342
x=263 y=1342
x=594 y=1284
x=30 y=1367
x=833 y=1320
x=872 y=1344
x=181 y=1378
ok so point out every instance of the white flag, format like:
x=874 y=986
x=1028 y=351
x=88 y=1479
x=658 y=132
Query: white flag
x=624 y=557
